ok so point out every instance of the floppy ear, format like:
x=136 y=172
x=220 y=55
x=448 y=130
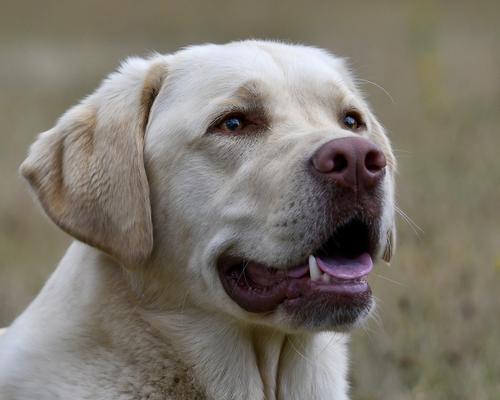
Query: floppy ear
x=390 y=245
x=88 y=171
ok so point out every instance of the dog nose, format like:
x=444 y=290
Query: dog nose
x=352 y=162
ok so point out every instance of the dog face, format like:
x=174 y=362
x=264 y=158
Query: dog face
x=251 y=177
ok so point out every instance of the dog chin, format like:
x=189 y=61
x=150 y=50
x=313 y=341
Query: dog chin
x=324 y=314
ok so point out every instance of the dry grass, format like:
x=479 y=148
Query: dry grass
x=437 y=330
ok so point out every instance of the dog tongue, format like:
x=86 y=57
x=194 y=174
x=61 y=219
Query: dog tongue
x=346 y=268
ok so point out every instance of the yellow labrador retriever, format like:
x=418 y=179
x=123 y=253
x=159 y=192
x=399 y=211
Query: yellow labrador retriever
x=228 y=202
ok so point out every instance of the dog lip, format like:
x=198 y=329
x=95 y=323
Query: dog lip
x=258 y=288
x=298 y=272
x=227 y=263
x=306 y=287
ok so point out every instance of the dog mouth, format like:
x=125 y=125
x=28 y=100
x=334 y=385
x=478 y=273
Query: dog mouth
x=335 y=273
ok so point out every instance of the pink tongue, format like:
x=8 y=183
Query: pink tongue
x=346 y=268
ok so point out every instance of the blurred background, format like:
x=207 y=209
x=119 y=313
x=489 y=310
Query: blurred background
x=432 y=73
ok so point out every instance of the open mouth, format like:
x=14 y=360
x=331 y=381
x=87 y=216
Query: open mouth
x=336 y=272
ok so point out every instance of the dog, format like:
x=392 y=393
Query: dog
x=227 y=203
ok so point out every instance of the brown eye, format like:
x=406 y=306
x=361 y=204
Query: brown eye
x=352 y=120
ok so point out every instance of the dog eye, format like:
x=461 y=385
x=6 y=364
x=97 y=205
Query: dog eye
x=232 y=124
x=353 y=121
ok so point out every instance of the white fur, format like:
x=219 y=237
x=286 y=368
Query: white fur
x=167 y=329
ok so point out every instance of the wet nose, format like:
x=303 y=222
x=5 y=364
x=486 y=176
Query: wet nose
x=351 y=162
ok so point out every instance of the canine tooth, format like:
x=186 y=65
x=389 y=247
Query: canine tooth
x=313 y=269
x=326 y=278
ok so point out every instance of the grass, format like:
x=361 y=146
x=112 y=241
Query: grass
x=437 y=327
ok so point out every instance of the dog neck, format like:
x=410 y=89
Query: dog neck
x=184 y=352
x=236 y=361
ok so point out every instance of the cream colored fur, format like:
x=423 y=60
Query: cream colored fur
x=137 y=311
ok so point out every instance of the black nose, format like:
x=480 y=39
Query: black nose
x=351 y=162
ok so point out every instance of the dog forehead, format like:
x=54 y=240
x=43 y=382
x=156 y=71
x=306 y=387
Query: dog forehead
x=294 y=83
x=220 y=69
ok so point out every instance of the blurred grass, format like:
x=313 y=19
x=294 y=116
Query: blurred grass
x=437 y=332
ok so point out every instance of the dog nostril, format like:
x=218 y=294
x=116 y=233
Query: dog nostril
x=339 y=163
x=375 y=161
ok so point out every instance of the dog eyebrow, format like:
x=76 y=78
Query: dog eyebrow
x=249 y=95
x=248 y=98
x=251 y=90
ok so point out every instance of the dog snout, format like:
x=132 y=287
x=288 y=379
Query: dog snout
x=351 y=162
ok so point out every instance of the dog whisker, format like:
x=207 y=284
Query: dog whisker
x=377 y=86
x=416 y=229
x=388 y=279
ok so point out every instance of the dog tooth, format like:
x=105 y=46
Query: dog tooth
x=313 y=269
x=326 y=278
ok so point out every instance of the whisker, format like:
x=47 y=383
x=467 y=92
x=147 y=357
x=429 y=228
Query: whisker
x=378 y=86
x=375 y=316
x=416 y=229
x=369 y=332
x=388 y=279
x=378 y=320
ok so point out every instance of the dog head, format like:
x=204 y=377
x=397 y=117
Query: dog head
x=250 y=179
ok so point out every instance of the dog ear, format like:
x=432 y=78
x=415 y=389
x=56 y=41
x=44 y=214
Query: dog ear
x=390 y=245
x=88 y=171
